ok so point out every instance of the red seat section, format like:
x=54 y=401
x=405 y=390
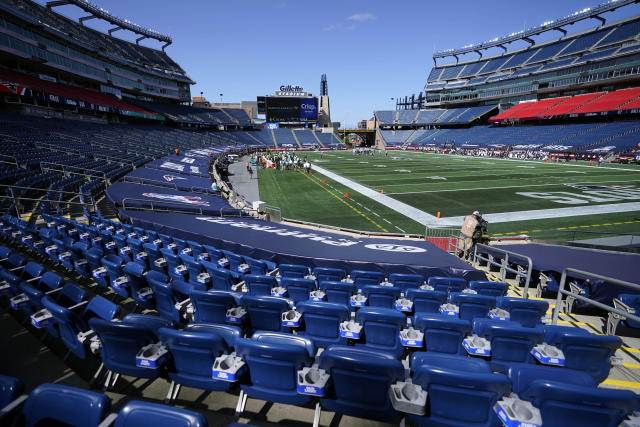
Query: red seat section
x=571 y=104
x=509 y=113
x=72 y=92
x=533 y=110
x=610 y=101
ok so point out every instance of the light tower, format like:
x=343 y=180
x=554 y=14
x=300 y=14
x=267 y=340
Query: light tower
x=324 y=113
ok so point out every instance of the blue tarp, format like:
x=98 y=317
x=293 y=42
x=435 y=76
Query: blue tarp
x=285 y=244
x=144 y=196
x=177 y=181
x=554 y=259
x=179 y=164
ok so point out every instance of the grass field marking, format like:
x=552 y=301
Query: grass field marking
x=507 y=186
x=316 y=181
x=541 y=163
x=402 y=208
x=564 y=228
x=549 y=213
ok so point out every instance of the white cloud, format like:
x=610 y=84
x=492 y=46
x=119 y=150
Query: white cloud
x=362 y=17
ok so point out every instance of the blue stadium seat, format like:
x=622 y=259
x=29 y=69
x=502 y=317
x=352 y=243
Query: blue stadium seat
x=406 y=281
x=260 y=285
x=165 y=297
x=447 y=284
x=443 y=334
x=361 y=381
x=364 y=277
x=273 y=360
x=70 y=324
x=56 y=404
x=173 y=261
x=293 y=270
x=381 y=296
x=136 y=413
x=521 y=376
x=381 y=327
x=153 y=253
x=568 y=404
x=212 y=306
x=259 y=266
x=583 y=351
x=329 y=274
x=139 y=286
x=322 y=322
x=338 y=292
x=426 y=301
x=265 y=313
x=11 y=388
x=298 y=289
x=492 y=289
x=94 y=261
x=114 y=265
x=510 y=342
x=193 y=354
x=472 y=306
x=462 y=390
x=527 y=312
x=221 y=279
x=235 y=261
x=121 y=341
x=193 y=267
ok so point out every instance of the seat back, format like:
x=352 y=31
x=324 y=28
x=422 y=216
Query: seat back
x=56 y=403
x=460 y=393
x=364 y=277
x=329 y=274
x=193 y=267
x=527 y=312
x=510 y=342
x=521 y=376
x=381 y=296
x=69 y=325
x=443 y=334
x=406 y=281
x=193 y=355
x=381 y=327
x=298 y=289
x=361 y=380
x=50 y=281
x=136 y=413
x=212 y=306
x=338 y=292
x=585 y=352
x=293 y=270
x=569 y=404
x=447 y=284
x=10 y=389
x=121 y=342
x=259 y=285
x=491 y=289
x=426 y=301
x=322 y=321
x=234 y=260
x=273 y=365
x=164 y=295
x=221 y=279
x=265 y=313
x=257 y=266
x=472 y=306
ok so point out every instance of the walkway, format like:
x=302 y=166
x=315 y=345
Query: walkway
x=241 y=181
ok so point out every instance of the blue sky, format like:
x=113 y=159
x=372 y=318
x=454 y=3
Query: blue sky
x=370 y=50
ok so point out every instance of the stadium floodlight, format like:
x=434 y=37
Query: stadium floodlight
x=556 y=24
x=126 y=24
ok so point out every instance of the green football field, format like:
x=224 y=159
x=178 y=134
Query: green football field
x=565 y=201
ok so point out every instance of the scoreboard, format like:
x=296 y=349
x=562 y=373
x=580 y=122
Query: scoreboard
x=288 y=109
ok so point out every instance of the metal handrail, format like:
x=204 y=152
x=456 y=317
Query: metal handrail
x=145 y=181
x=562 y=291
x=64 y=170
x=153 y=209
x=504 y=265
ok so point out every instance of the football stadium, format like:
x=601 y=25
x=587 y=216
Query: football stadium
x=468 y=256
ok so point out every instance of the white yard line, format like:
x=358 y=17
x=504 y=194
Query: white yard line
x=402 y=208
x=549 y=213
x=621 y=180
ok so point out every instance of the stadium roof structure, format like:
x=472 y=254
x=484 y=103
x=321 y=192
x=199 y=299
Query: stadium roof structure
x=553 y=25
x=120 y=23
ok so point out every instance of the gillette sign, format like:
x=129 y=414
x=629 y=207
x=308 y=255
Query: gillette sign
x=291 y=90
